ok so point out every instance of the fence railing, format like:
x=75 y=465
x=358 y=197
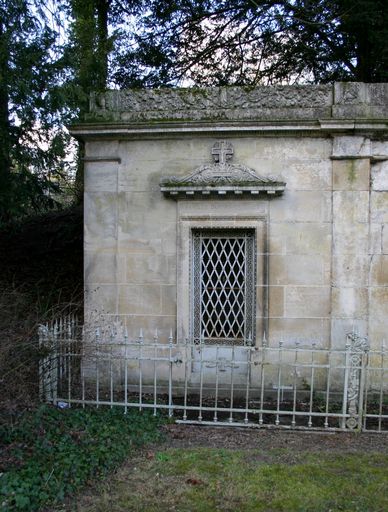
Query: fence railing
x=295 y=386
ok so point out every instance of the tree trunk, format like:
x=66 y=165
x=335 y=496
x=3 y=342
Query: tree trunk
x=92 y=34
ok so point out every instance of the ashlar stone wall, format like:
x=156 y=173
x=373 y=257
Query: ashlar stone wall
x=322 y=245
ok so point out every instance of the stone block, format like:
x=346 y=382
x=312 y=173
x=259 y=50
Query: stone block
x=378 y=305
x=379 y=207
x=351 y=146
x=146 y=224
x=278 y=270
x=384 y=238
x=306 y=238
x=297 y=269
x=101 y=299
x=101 y=219
x=287 y=149
x=305 y=270
x=349 y=302
x=150 y=211
x=139 y=245
x=379 y=147
x=351 y=174
x=311 y=174
x=380 y=176
x=307 y=301
x=140 y=299
x=300 y=206
x=102 y=149
x=350 y=207
x=376 y=238
x=162 y=325
x=379 y=270
x=148 y=268
x=350 y=270
x=303 y=329
x=276 y=301
x=351 y=239
x=104 y=267
x=101 y=176
x=168 y=293
x=341 y=327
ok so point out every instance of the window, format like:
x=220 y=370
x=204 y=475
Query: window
x=223 y=286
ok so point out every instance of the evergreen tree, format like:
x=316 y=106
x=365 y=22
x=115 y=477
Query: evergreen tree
x=33 y=142
x=218 y=42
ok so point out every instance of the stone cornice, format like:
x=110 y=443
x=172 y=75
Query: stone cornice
x=308 y=128
x=304 y=109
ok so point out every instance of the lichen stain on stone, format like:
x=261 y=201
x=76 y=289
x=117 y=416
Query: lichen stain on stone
x=352 y=174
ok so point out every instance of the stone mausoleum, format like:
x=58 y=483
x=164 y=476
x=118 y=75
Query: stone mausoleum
x=227 y=214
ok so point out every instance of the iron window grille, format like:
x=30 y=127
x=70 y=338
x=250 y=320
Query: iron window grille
x=223 y=287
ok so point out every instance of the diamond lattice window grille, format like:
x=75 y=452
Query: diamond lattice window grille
x=223 y=287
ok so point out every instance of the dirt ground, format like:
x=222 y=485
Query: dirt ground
x=193 y=436
x=261 y=446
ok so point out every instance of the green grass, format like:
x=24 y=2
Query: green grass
x=50 y=453
x=204 y=480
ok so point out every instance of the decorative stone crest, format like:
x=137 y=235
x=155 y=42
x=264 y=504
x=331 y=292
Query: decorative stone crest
x=211 y=103
x=358 y=347
x=222 y=178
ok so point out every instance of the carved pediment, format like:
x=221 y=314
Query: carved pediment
x=222 y=178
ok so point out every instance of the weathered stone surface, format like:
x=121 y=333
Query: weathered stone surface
x=384 y=238
x=302 y=206
x=104 y=267
x=307 y=301
x=276 y=301
x=343 y=101
x=380 y=176
x=351 y=271
x=145 y=268
x=379 y=210
x=350 y=302
x=142 y=299
x=101 y=219
x=221 y=103
x=300 y=238
x=101 y=176
x=321 y=248
x=303 y=329
x=351 y=174
x=351 y=146
x=379 y=270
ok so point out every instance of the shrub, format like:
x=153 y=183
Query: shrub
x=51 y=453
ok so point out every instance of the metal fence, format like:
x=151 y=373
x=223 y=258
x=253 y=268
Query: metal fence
x=296 y=386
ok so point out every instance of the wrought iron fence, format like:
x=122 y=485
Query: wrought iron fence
x=296 y=386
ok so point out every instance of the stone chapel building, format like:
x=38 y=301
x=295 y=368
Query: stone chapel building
x=229 y=214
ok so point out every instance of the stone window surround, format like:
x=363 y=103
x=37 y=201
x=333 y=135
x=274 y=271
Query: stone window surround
x=215 y=216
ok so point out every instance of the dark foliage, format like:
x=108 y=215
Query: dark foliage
x=42 y=277
x=32 y=112
x=221 y=42
x=48 y=454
